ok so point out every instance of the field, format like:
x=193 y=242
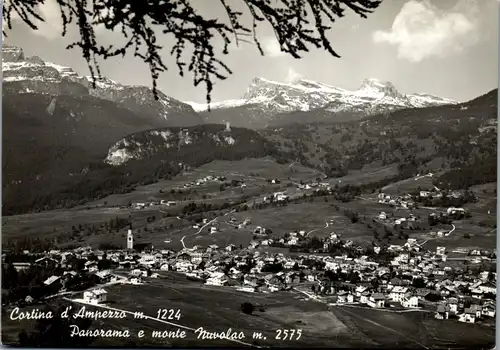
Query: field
x=318 y=218
x=253 y=172
x=409 y=185
x=416 y=329
x=366 y=175
x=217 y=309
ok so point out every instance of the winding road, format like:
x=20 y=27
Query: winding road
x=201 y=229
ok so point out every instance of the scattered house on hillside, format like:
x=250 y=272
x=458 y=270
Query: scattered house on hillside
x=478 y=309
x=53 y=282
x=139 y=205
x=342 y=297
x=217 y=279
x=440 y=250
x=196 y=257
x=95 y=296
x=476 y=293
x=91 y=266
x=184 y=266
x=455 y=211
x=409 y=301
x=248 y=289
x=376 y=300
x=452 y=304
x=489 y=309
x=442 y=312
x=135 y=280
x=364 y=297
x=398 y=293
x=488 y=287
x=468 y=316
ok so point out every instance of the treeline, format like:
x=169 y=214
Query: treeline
x=476 y=173
x=99 y=180
x=77 y=233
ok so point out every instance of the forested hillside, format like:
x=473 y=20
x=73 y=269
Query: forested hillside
x=458 y=139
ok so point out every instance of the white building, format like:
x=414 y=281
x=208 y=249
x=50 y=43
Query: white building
x=469 y=316
x=409 y=301
x=95 y=296
x=135 y=280
x=398 y=293
x=130 y=240
x=217 y=279
x=147 y=259
x=453 y=211
x=440 y=250
x=376 y=300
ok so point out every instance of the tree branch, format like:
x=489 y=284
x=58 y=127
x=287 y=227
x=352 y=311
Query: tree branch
x=139 y=21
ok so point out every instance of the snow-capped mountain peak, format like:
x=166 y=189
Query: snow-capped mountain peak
x=265 y=99
x=377 y=88
x=34 y=75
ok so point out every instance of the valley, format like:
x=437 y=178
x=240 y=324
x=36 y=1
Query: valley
x=354 y=217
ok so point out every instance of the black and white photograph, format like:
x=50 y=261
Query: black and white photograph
x=249 y=173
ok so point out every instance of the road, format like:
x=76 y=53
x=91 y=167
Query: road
x=446 y=235
x=308 y=233
x=450 y=231
x=201 y=229
x=153 y=319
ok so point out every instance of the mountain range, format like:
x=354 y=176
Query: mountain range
x=269 y=103
x=33 y=75
x=66 y=142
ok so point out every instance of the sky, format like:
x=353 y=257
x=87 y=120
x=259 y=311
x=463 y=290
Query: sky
x=448 y=48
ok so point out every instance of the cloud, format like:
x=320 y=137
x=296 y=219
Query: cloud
x=51 y=28
x=292 y=75
x=421 y=30
x=271 y=47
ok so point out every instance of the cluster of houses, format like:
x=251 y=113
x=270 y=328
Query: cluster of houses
x=406 y=201
x=198 y=182
x=408 y=222
x=142 y=205
x=276 y=197
x=312 y=185
x=204 y=180
x=437 y=193
x=412 y=278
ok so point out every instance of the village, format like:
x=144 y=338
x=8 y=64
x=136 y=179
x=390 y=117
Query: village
x=394 y=277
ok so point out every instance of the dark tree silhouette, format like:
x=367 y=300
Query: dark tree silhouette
x=247 y=308
x=297 y=24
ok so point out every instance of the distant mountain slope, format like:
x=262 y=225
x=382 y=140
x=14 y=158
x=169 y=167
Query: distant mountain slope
x=191 y=146
x=31 y=74
x=78 y=153
x=270 y=103
x=459 y=137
